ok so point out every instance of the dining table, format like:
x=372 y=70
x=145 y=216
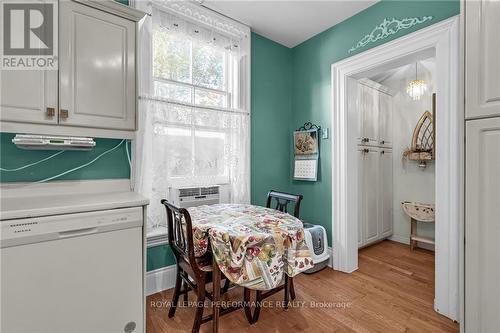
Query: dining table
x=253 y=246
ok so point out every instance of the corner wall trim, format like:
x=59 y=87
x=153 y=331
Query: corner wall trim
x=160 y=279
x=330 y=259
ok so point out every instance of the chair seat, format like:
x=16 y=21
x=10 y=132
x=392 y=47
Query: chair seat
x=205 y=263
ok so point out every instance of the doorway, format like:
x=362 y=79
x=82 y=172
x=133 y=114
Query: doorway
x=441 y=42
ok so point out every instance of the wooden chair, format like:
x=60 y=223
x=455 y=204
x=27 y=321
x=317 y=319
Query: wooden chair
x=192 y=273
x=281 y=202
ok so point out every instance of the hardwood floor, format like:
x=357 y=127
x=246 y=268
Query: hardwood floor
x=392 y=291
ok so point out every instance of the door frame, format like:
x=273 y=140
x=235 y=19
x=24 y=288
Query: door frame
x=441 y=39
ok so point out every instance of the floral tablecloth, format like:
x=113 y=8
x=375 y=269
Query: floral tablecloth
x=253 y=246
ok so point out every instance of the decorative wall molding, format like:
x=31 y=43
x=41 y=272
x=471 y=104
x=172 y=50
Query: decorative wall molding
x=206 y=16
x=388 y=27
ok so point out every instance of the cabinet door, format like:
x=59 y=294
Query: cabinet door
x=97 y=68
x=385 y=120
x=385 y=193
x=482 y=226
x=370 y=195
x=361 y=214
x=368 y=115
x=26 y=95
x=482 y=54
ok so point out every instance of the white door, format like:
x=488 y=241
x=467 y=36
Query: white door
x=482 y=226
x=97 y=61
x=370 y=195
x=385 y=193
x=385 y=120
x=482 y=58
x=368 y=115
x=29 y=96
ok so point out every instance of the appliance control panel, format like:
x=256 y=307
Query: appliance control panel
x=45 y=228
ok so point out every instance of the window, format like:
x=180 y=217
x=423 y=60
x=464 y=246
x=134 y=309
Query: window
x=194 y=126
x=191 y=71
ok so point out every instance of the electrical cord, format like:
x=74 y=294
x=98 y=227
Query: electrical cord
x=128 y=156
x=81 y=166
x=34 y=163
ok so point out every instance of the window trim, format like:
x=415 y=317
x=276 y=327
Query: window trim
x=194 y=87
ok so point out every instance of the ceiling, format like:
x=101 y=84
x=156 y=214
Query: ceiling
x=407 y=71
x=288 y=22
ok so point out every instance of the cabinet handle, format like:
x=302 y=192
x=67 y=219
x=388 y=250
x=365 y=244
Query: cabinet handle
x=382 y=152
x=63 y=114
x=51 y=112
x=382 y=142
x=366 y=151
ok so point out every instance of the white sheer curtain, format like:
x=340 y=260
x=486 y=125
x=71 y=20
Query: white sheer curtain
x=205 y=34
x=180 y=144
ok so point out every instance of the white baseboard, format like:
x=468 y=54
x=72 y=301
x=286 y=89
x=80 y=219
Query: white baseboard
x=406 y=240
x=400 y=239
x=160 y=279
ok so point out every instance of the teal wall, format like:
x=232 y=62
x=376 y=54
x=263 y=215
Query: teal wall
x=158 y=257
x=311 y=91
x=271 y=117
x=110 y=166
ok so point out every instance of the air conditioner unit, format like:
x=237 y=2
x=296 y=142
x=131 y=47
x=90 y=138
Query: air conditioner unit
x=185 y=197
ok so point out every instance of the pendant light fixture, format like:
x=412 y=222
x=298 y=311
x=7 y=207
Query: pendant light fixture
x=416 y=88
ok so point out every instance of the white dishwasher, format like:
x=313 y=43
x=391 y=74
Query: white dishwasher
x=78 y=272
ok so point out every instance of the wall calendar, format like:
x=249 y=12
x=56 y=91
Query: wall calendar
x=306 y=151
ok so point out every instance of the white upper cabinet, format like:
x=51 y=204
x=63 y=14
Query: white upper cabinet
x=369 y=115
x=97 y=68
x=482 y=58
x=375 y=115
x=93 y=92
x=29 y=96
x=385 y=120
